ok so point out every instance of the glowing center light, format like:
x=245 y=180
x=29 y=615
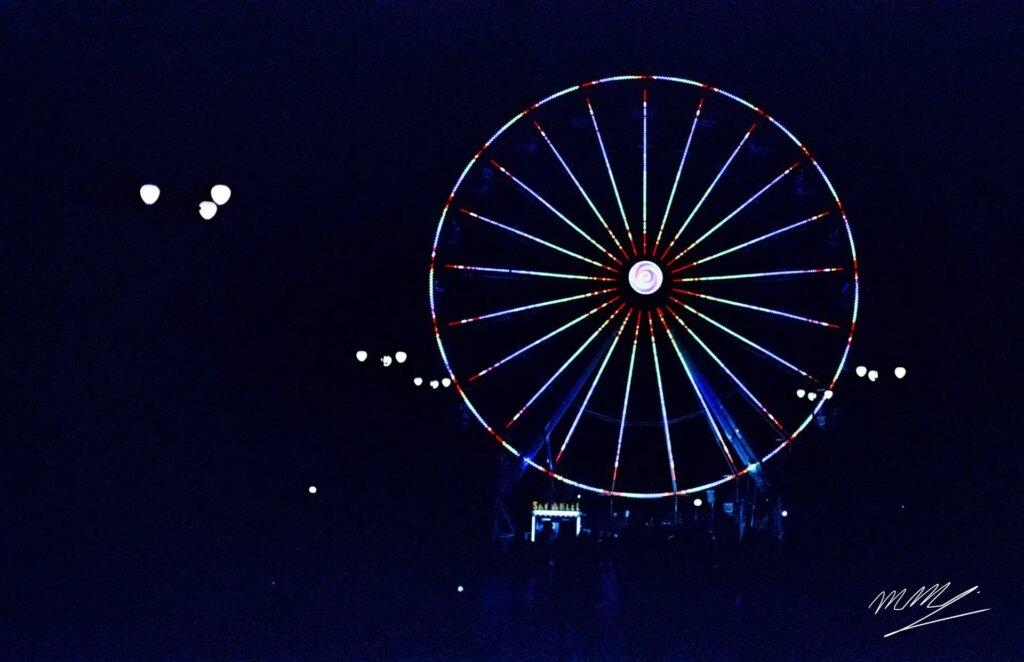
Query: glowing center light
x=645 y=277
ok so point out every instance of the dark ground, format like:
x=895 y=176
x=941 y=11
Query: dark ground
x=171 y=387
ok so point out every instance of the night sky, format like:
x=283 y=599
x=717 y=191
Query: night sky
x=172 y=386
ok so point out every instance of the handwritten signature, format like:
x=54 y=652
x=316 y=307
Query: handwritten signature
x=923 y=598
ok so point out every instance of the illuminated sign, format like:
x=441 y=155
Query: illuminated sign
x=556 y=509
x=548 y=511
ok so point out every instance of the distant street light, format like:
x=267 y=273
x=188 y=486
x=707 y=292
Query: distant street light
x=901 y=372
x=385 y=360
x=812 y=396
x=150 y=193
x=434 y=383
x=446 y=382
x=401 y=357
x=361 y=356
x=861 y=371
x=697 y=502
x=800 y=393
x=220 y=194
x=418 y=381
x=827 y=395
x=207 y=210
x=873 y=375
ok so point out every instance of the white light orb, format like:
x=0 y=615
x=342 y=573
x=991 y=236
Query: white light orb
x=812 y=396
x=446 y=382
x=207 y=210
x=312 y=489
x=800 y=393
x=697 y=502
x=418 y=381
x=361 y=356
x=827 y=395
x=645 y=277
x=861 y=371
x=785 y=513
x=901 y=372
x=220 y=194
x=401 y=356
x=872 y=375
x=434 y=383
x=385 y=360
x=149 y=193
x=460 y=589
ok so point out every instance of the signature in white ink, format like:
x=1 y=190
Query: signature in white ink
x=922 y=598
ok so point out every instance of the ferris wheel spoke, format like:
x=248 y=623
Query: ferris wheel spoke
x=770 y=311
x=750 y=243
x=543 y=338
x=716 y=430
x=774 y=421
x=679 y=172
x=744 y=339
x=611 y=177
x=542 y=242
x=532 y=306
x=579 y=186
x=661 y=397
x=565 y=365
x=707 y=192
x=526 y=272
x=644 y=187
x=734 y=212
x=761 y=274
x=625 y=401
x=719 y=438
x=557 y=213
x=590 y=392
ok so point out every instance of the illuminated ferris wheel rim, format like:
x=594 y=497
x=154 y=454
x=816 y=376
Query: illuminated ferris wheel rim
x=750 y=468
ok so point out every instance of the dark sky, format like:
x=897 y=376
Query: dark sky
x=172 y=387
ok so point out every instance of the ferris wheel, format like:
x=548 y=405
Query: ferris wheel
x=633 y=277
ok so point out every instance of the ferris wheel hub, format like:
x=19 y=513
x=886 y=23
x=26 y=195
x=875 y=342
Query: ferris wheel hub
x=645 y=277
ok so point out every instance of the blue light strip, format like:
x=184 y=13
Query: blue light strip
x=761 y=274
x=524 y=235
x=579 y=186
x=661 y=396
x=590 y=392
x=645 y=176
x=734 y=212
x=751 y=242
x=532 y=306
x=708 y=191
x=526 y=272
x=611 y=176
x=554 y=211
x=700 y=396
x=679 y=172
x=748 y=306
x=542 y=339
x=744 y=339
x=625 y=402
x=565 y=365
